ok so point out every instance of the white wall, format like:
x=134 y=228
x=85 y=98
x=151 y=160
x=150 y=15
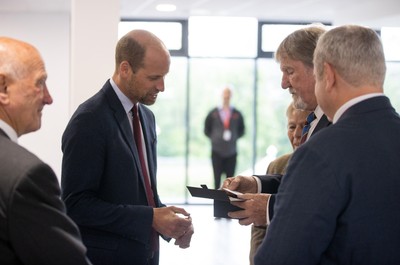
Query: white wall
x=94 y=34
x=49 y=33
x=78 y=49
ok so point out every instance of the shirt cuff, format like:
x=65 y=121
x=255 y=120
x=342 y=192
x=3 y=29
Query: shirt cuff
x=259 y=186
x=267 y=212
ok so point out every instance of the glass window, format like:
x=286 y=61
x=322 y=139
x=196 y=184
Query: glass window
x=272 y=102
x=392 y=81
x=222 y=37
x=207 y=79
x=170 y=112
x=391 y=43
x=193 y=88
x=178 y=133
x=273 y=35
x=169 y=32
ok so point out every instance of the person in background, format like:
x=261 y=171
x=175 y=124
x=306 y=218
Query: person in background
x=34 y=228
x=224 y=125
x=338 y=202
x=110 y=163
x=296 y=120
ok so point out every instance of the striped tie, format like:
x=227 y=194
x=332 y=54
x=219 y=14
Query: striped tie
x=306 y=127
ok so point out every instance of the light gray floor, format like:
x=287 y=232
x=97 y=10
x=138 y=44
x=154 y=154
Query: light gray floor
x=215 y=241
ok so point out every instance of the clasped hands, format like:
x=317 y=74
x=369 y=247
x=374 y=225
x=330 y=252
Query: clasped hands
x=174 y=222
x=254 y=204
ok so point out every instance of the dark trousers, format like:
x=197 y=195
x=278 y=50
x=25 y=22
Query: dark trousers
x=222 y=165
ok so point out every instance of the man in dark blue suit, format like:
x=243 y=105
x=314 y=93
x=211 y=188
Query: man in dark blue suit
x=295 y=55
x=338 y=202
x=109 y=181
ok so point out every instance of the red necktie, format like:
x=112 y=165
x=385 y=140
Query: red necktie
x=227 y=118
x=149 y=192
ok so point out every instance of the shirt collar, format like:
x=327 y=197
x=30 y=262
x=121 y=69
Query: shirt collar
x=318 y=113
x=9 y=131
x=351 y=103
x=125 y=101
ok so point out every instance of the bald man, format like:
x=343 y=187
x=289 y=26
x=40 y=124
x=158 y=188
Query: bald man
x=34 y=228
x=110 y=162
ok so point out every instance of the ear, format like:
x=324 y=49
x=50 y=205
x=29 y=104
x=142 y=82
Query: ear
x=124 y=69
x=4 y=98
x=330 y=77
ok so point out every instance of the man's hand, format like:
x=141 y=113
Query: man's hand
x=244 y=184
x=184 y=241
x=167 y=222
x=254 y=209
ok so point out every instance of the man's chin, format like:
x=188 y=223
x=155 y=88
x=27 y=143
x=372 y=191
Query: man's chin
x=300 y=105
x=149 y=102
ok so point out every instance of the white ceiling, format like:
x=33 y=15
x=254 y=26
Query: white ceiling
x=372 y=13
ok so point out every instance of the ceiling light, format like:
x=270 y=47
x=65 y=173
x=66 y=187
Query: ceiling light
x=166 y=7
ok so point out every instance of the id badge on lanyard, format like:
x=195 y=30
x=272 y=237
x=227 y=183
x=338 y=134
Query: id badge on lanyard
x=227 y=135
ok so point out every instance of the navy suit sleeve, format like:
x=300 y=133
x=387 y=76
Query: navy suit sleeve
x=307 y=203
x=40 y=231
x=270 y=182
x=271 y=205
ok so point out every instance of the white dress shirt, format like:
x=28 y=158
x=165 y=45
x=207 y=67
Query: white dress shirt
x=352 y=102
x=9 y=131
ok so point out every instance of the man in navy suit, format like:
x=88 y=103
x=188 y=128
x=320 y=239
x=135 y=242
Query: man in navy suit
x=338 y=202
x=34 y=228
x=295 y=55
x=110 y=190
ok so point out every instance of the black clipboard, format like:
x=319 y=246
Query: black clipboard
x=222 y=202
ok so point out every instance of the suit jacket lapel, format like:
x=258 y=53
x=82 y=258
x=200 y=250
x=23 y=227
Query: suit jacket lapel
x=125 y=127
x=322 y=123
x=144 y=120
x=121 y=119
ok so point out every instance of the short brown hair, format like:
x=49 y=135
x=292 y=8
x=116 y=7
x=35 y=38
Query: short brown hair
x=130 y=50
x=300 y=45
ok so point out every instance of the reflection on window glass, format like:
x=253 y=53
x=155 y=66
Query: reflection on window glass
x=223 y=37
x=391 y=43
x=169 y=32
